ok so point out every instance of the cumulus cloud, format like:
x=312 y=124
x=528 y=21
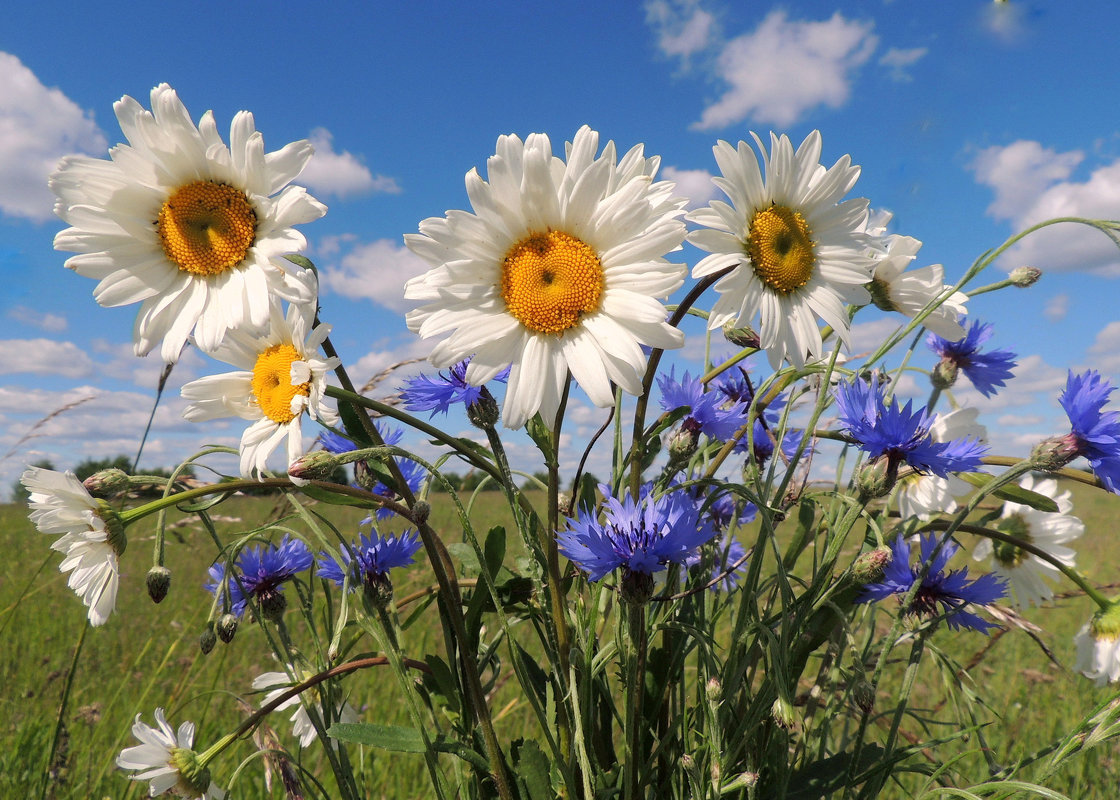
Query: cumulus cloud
x=376 y=271
x=786 y=68
x=682 y=27
x=43 y=320
x=1105 y=350
x=37 y=127
x=1032 y=184
x=44 y=357
x=695 y=184
x=1056 y=308
x=897 y=59
x=341 y=174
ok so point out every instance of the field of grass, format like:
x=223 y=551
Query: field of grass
x=147 y=656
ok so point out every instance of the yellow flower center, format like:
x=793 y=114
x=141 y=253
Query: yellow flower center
x=272 y=382
x=206 y=228
x=550 y=280
x=781 y=248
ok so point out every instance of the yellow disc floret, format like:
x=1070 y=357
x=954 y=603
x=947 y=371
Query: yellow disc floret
x=550 y=280
x=206 y=228
x=781 y=248
x=272 y=383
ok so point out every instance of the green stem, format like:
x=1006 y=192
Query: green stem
x=60 y=722
x=635 y=693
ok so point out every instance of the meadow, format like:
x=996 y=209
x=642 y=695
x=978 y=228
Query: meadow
x=148 y=656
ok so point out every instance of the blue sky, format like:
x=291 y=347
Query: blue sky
x=969 y=119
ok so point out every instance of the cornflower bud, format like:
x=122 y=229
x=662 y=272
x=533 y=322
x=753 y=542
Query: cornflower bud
x=313 y=466
x=107 y=482
x=227 y=627
x=158 y=582
x=207 y=639
x=1024 y=277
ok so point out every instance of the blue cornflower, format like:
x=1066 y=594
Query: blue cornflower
x=339 y=443
x=899 y=434
x=368 y=562
x=260 y=572
x=987 y=371
x=708 y=411
x=438 y=394
x=1095 y=433
x=952 y=590
x=640 y=537
x=414 y=475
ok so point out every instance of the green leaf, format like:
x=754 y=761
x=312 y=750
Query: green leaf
x=335 y=499
x=1012 y=492
x=353 y=424
x=533 y=770
x=387 y=737
x=466 y=556
x=300 y=261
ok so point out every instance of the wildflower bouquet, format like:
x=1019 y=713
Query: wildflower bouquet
x=742 y=608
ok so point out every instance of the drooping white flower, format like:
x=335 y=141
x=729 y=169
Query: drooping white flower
x=165 y=758
x=92 y=537
x=188 y=227
x=796 y=250
x=1098 y=647
x=278 y=682
x=282 y=379
x=923 y=495
x=1026 y=573
x=894 y=289
x=558 y=269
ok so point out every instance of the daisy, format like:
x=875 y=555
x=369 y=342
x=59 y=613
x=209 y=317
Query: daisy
x=796 y=251
x=1098 y=646
x=951 y=591
x=189 y=228
x=558 y=270
x=1026 y=574
x=92 y=539
x=302 y=726
x=924 y=494
x=894 y=289
x=281 y=379
x=165 y=757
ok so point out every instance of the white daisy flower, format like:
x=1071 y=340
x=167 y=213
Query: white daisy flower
x=282 y=379
x=1027 y=574
x=1098 y=647
x=304 y=730
x=166 y=759
x=92 y=539
x=924 y=495
x=558 y=269
x=894 y=289
x=189 y=228
x=796 y=252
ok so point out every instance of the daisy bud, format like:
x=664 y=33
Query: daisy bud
x=226 y=627
x=636 y=588
x=1098 y=646
x=869 y=566
x=314 y=466
x=1054 y=453
x=207 y=639
x=192 y=772
x=158 y=581
x=1024 y=277
x=483 y=413
x=107 y=482
x=743 y=336
x=944 y=375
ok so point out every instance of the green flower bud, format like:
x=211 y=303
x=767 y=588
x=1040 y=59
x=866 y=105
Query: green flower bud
x=207 y=639
x=944 y=375
x=877 y=477
x=314 y=466
x=483 y=413
x=158 y=581
x=1024 y=277
x=868 y=567
x=107 y=482
x=741 y=337
x=227 y=627
x=1054 y=453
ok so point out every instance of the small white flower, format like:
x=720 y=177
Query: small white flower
x=1026 y=573
x=191 y=229
x=282 y=379
x=1098 y=647
x=923 y=495
x=558 y=270
x=894 y=289
x=92 y=537
x=166 y=759
x=796 y=250
x=302 y=727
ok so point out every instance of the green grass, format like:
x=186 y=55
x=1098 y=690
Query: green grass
x=147 y=656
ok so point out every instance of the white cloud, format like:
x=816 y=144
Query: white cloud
x=43 y=320
x=1056 y=308
x=374 y=270
x=1031 y=185
x=37 y=127
x=341 y=174
x=44 y=357
x=695 y=184
x=1105 y=350
x=786 y=68
x=682 y=27
x=897 y=59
